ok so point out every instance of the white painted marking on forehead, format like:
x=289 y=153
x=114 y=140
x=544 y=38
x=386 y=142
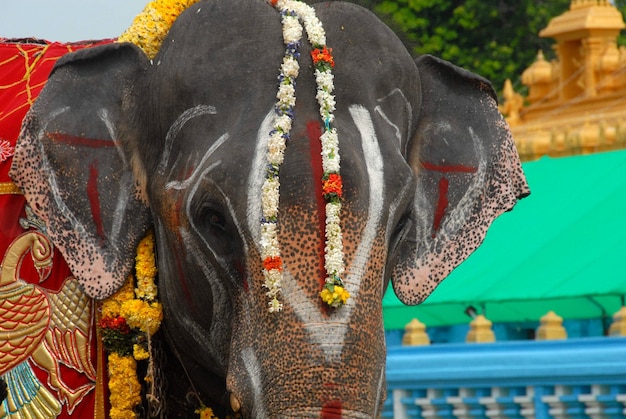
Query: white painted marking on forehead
x=175 y=128
x=257 y=177
x=176 y=184
x=52 y=115
x=79 y=229
x=217 y=330
x=376 y=176
x=380 y=389
x=330 y=334
x=408 y=109
x=225 y=200
x=393 y=209
x=103 y=114
x=126 y=181
x=253 y=368
x=461 y=211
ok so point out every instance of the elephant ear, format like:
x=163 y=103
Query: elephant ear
x=70 y=164
x=468 y=173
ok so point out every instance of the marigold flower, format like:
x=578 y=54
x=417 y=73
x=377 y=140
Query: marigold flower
x=205 y=413
x=273 y=262
x=323 y=56
x=332 y=185
x=124 y=386
x=334 y=295
x=140 y=353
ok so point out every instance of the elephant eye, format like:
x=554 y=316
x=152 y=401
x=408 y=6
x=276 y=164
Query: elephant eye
x=215 y=219
x=208 y=216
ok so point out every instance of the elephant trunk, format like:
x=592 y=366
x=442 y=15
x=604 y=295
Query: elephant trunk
x=328 y=367
x=312 y=360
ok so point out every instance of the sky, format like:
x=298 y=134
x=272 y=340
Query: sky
x=67 y=20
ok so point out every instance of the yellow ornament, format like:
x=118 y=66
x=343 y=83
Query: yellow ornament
x=124 y=386
x=151 y=26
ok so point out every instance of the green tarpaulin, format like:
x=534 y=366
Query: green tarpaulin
x=563 y=249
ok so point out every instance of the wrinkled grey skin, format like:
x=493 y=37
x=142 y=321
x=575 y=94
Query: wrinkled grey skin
x=116 y=143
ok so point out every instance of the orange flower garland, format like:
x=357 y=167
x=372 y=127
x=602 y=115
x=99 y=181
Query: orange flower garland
x=332 y=187
x=297 y=18
x=323 y=57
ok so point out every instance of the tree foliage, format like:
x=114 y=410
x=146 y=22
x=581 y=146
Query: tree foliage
x=497 y=39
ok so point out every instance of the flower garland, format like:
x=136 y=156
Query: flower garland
x=205 y=413
x=151 y=26
x=129 y=319
x=132 y=315
x=333 y=293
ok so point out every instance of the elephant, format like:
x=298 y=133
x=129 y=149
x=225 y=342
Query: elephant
x=117 y=144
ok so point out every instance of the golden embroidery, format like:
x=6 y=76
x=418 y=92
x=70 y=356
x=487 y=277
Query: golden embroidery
x=9 y=188
x=49 y=328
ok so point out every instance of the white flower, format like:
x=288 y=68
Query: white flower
x=273 y=279
x=286 y=95
x=324 y=80
x=269 y=197
x=333 y=211
x=326 y=101
x=275 y=305
x=334 y=261
x=276 y=148
x=283 y=123
x=292 y=29
x=331 y=165
x=330 y=151
x=330 y=141
x=269 y=240
x=315 y=31
x=334 y=242
x=290 y=67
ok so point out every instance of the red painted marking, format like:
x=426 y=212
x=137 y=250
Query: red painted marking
x=443 y=168
x=314 y=131
x=94 y=198
x=442 y=203
x=183 y=280
x=332 y=410
x=79 y=141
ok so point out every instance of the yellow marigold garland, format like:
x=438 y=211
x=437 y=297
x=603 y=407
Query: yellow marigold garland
x=206 y=413
x=136 y=310
x=124 y=386
x=129 y=313
x=151 y=26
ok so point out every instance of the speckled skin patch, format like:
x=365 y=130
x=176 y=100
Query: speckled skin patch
x=70 y=166
x=465 y=142
x=427 y=164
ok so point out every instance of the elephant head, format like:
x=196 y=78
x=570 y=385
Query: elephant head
x=117 y=142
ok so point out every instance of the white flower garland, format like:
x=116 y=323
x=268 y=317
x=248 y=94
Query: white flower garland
x=294 y=12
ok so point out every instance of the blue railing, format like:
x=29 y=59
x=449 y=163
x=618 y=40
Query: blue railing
x=574 y=378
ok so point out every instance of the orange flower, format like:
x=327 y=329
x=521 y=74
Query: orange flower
x=323 y=56
x=273 y=262
x=332 y=185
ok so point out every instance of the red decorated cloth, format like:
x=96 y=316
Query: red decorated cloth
x=62 y=354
